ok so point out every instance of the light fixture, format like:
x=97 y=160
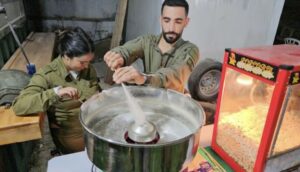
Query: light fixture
x=244 y=80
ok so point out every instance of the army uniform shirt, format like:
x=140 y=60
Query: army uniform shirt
x=63 y=113
x=167 y=70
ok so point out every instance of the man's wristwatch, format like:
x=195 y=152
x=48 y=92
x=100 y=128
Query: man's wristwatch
x=147 y=79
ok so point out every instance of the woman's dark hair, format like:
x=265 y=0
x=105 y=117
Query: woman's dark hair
x=74 y=43
x=176 y=3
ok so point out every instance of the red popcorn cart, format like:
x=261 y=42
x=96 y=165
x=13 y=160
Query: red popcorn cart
x=257 y=122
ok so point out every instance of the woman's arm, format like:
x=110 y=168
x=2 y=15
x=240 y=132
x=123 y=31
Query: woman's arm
x=36 y=97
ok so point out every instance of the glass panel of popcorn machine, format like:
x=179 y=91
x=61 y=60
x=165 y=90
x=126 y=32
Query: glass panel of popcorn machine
x=243 y=110
x=288 y=138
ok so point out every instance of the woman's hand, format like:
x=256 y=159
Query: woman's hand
x=70 y=92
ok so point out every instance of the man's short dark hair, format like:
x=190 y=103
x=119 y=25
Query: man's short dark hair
x=176 y=3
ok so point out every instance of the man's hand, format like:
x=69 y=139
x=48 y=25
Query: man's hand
x=68 y=92
x=113 y=60
x=128 y=74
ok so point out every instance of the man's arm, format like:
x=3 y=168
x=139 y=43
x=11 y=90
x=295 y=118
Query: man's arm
x=126 y=54
x=114 y=60
x=118 y=58
x=129 y=74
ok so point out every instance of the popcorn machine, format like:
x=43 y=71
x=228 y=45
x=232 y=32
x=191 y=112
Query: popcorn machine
x=257 y=122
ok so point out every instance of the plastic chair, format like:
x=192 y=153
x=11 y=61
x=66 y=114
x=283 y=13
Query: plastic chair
x=285 y=32
x=291 y=41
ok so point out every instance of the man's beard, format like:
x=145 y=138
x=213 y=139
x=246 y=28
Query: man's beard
x=171 y=40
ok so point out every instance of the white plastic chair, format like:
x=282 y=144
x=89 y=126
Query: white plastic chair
x=291 y=41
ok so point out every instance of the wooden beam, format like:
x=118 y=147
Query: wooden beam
x=117 y=34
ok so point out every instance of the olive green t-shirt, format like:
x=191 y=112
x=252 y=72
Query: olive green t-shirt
x=167 y=70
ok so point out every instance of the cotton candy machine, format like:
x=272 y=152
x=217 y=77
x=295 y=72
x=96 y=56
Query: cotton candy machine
x=164 y=142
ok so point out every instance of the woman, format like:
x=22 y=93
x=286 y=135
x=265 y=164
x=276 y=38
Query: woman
x=59 y=89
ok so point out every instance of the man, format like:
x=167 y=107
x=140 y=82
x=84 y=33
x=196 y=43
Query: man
x=168 y=59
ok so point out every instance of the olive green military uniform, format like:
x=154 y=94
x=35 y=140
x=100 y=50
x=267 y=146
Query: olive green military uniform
x=63 y=113
x=167 y=70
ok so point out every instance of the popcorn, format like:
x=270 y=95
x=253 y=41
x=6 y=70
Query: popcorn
x=239 y=133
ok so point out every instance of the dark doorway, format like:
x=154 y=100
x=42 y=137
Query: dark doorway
x=289 y=24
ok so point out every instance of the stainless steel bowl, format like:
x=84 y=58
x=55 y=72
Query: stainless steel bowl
x=106 y=118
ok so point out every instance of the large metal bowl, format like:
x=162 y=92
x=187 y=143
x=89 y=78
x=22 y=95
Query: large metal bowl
x=106 y=118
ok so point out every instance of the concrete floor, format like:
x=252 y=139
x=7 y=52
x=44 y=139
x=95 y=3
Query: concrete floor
x=42 y=151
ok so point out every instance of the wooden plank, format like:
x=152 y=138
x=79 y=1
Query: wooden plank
x=117 y=34
x=119 y=23
x=15 y=129
x=39 y=49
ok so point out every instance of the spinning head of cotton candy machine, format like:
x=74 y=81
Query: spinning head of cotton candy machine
x=144 y=133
